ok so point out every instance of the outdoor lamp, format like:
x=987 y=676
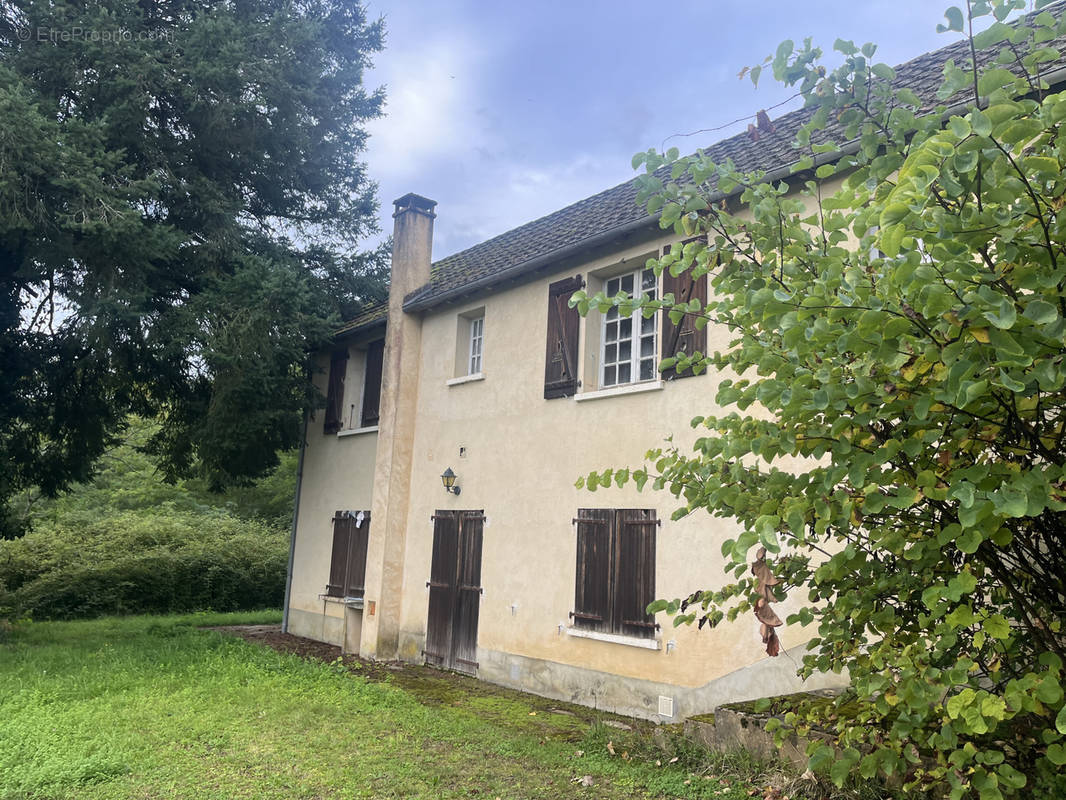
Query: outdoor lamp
x=449 y=482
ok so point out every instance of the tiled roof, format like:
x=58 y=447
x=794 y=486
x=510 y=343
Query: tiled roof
x=371 y=316
x=529 y=246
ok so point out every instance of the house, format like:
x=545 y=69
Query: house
x=438 y=520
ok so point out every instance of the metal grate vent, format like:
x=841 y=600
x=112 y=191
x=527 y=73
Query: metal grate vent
x=666 y=706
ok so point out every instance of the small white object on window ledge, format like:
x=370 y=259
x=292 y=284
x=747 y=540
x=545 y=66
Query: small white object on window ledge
x=615 y=638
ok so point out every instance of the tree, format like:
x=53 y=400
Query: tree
x=129 y=542
x=904 y=334
x=180 y=199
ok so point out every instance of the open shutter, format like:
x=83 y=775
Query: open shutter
x=684 y=337
x=358 y=536
x=338 y=364
x=372 y=383
x=560 y=365
x=592 y=587
x=338 y=562
x=635 y=571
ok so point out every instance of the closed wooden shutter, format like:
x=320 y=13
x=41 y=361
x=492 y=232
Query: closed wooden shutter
x=358 y=537
x=338 y=365
x=684 y=337
x=372 y=383
x=634 y=571
x=592 y=589
x=468 y=597
x=560 y=365
x=338 y=562
x=442 y=588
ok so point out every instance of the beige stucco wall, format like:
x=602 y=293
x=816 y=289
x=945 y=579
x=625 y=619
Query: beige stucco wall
x=338 y=474
x=517 y=457
x=522 y=455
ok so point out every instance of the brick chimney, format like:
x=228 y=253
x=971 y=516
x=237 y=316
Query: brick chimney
x=412 y=254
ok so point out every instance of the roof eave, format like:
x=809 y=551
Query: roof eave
x=344 y=332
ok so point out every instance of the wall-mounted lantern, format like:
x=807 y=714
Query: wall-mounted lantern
x=449 y=482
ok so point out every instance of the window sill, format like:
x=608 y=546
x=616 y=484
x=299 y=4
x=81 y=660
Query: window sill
x=350 y=602
x=615 y=391
x=615 y=638
x=357 y=431
x=477 y=376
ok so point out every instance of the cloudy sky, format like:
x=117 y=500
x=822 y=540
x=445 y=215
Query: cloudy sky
x=504 y=111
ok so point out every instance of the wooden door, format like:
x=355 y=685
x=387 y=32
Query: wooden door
x=455 y=590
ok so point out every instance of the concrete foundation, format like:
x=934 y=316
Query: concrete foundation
x=633 y=697
x=335 y=624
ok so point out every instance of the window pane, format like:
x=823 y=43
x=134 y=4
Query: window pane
x=477 y=330
x=630 y=340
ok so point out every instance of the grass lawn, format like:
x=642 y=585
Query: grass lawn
x=154 y=707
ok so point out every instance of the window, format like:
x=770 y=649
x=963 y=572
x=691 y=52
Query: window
x=477 y=338
x=615 y=577
x=628 y=344
x=347 y=567
x=469 y=346
x=338 y=365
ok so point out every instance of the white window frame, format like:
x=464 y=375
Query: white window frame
x=476 y=347
x=637 y=335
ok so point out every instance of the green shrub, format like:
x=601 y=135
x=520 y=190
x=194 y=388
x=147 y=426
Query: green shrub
x=167 y=560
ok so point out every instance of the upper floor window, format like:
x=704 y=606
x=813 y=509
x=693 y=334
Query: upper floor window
x=353 y=389
x=628 y=351
x=469 y=346
x=477 y=339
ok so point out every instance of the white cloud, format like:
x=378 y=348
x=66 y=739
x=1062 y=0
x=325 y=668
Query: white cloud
x=429 y=95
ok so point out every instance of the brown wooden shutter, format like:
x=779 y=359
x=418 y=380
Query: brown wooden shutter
x=442 y=587
x=560 y=365
x=468 y=597
x=358 y=537
x=634 y=571
x=683 y=337
x=338 y=364
x=338 y=562
x=372 y=383
x=592 y=587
